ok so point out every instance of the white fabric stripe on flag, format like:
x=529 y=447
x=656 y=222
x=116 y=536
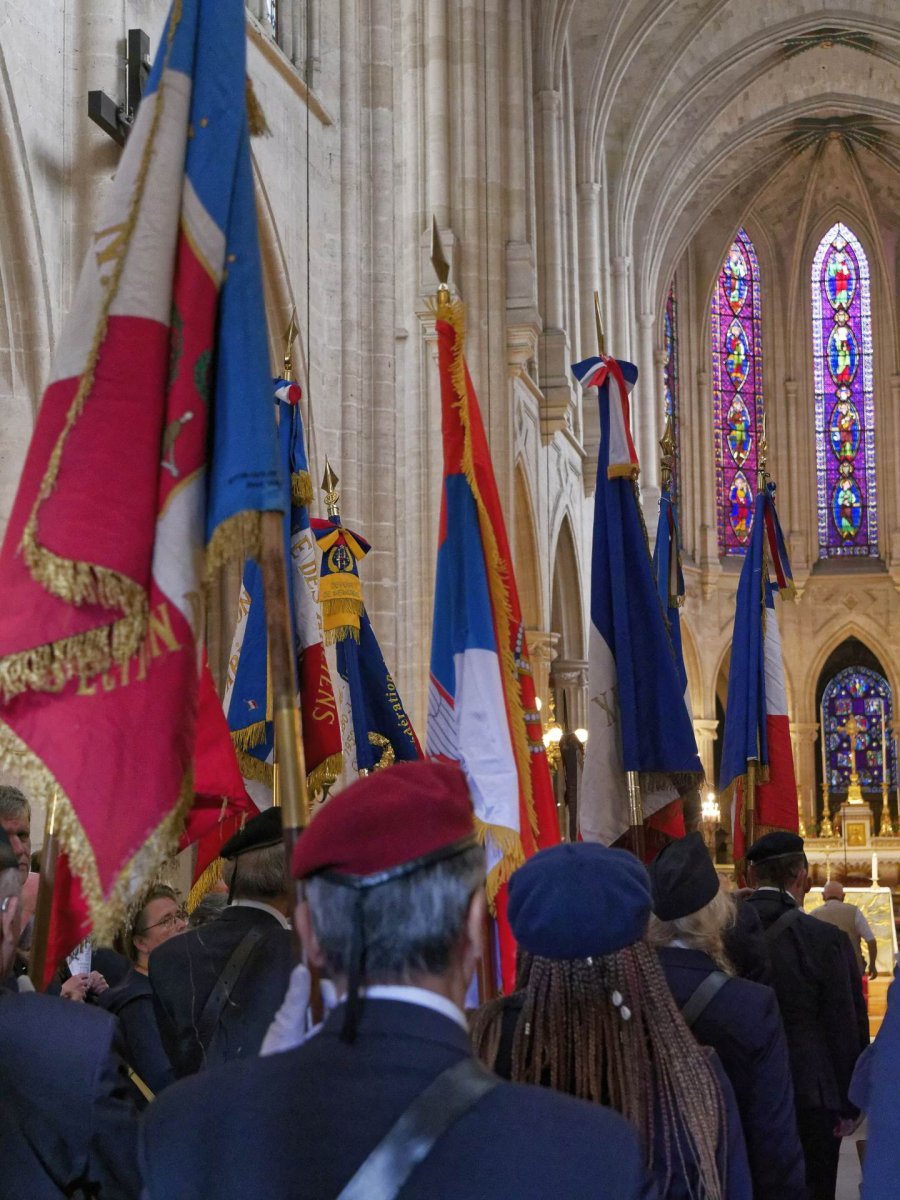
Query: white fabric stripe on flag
x=776 y=691
x=236 y=643
x=306 y=588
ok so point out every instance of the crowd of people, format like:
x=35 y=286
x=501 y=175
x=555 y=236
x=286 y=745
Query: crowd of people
x=666 y=1037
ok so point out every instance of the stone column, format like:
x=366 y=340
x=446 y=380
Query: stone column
x=803 y=741
x=705 y=476
x=589 y=255
x=890 y=521
x=542 y=650
x=645 y=410
x=569 y=678
x=797 y=540
x=618 y=325
x=556 y=412
x=706 y=731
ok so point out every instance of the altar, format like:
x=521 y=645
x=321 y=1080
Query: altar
x=877 y=906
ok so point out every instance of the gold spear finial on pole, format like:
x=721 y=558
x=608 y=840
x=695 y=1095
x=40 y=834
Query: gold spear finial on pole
x=330 y=490
x=439 y=262
x=290 y=335
x=601 y=334
x=667 y=459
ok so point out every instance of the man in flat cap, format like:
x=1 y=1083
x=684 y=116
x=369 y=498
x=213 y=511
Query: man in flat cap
x=740 y=1019
x=387 y=1099
x=217 y=988
x=813 y=981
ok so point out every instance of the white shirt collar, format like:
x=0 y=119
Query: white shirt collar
x=263 y=907
x=767 y=887
x=421 y=996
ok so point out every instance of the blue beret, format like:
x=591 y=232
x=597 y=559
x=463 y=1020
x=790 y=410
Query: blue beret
x=579 y=900
x=780 y=843
x=683 y=878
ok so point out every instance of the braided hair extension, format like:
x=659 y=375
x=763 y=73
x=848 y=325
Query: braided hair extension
x=608 y=1030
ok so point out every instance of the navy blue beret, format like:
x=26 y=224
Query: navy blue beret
x=683 y=878
x=778 y=844
x=262 y=830
x=579 y=900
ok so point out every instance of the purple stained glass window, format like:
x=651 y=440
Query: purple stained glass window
x=737 y=391
x=670 y=369
x=845 y=412
x=867 y=695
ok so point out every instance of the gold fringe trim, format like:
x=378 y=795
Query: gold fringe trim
x=512 y=856
x=82 y=582
x=255 y=769
x=235 y=539
x=250 y=736
x=338 y=633
x=387 y=751
x=256 y=118
x=301 y=488
x=623 y=471
x=49 y=668
x=500 y=582
x=205 y=882
x=107 y=913
x=322 y=776
x=339 y=606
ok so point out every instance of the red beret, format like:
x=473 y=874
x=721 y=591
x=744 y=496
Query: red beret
x=386 y=820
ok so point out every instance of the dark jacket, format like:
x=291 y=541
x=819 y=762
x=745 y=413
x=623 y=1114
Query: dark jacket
x=743 y=1025
x=731 y=1152
x=745 y=945
x=184 y=970
x=338 y=1101
x=68 y=1126
x=881 y=1167
x=131 y=1001
x=811 y=979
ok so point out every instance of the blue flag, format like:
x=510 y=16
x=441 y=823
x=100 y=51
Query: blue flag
x=637 y=716
x=670 y=578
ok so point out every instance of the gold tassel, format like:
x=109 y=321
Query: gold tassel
x=205 y=882
x=301 y=488
x=256 y=118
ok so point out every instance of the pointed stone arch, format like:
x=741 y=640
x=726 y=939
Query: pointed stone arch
x=526 y=554
x=567 y=615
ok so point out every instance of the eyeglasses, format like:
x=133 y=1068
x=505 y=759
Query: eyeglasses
x=167 y=922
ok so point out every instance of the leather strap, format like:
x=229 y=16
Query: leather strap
x=413 y=1136
x=224 y=986
x=702 y=996
x=777 y=928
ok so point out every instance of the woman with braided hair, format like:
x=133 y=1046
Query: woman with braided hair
x=593 y=1017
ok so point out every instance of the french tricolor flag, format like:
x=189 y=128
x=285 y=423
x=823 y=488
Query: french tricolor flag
x=757 y=727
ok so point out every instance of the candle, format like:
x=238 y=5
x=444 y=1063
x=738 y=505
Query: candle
x=874 y=869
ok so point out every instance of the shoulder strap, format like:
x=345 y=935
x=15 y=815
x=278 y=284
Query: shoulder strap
x=777 y=928
x=702 y=996
x=413 y=1136
x=224 y=986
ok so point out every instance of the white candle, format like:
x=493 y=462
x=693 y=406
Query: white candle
x=874 y=870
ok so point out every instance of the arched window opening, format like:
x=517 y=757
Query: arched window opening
x=737 y=391
x=845 y=410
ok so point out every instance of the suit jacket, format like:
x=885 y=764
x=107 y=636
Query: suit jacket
x=184 y=970
x=746 y=947
x=131 y=1001
x=731 y=1152
x=743 y=1025
x=812 y=980
x=317 y=1111
x=68 y=1126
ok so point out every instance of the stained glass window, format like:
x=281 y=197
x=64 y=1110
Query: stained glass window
x=737 y=391
x=866 y=695
x=845 y=412
x=670 y=368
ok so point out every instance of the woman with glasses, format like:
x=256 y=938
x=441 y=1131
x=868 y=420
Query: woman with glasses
x=158 y=917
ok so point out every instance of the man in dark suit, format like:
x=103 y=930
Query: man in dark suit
x=812 y=980
x=67 y=1125
x=738 y=1018
x=394 y=909
x=217 y=988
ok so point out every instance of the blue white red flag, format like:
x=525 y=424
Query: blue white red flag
x=153 y=454
x=482 y=710
x=637 y=719
x=247 y=699
x=757 y=727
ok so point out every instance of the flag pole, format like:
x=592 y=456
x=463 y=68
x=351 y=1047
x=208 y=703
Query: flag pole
x=484 y=967
x=38 y=957
x=632 y=778
x=752 y=765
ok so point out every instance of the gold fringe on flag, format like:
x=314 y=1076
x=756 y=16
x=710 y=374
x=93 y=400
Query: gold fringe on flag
x=255 y=769
x=238 y=537
x=49 y=668
x=324 y=774
x=336 y=633
x=512 y=856
x=205 y=882
x=301 y=488
x=256 y=118
x=250 y=736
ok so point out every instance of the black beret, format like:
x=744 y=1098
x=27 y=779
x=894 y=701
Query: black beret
x=579 y=900
x=262 y=830
x=683 y=878
x=778 y=844
x=8 y=860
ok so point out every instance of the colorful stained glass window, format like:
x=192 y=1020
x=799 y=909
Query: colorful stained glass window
x=866 y=695
x=670 y=367
x=845 y=411
x=737 y=391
